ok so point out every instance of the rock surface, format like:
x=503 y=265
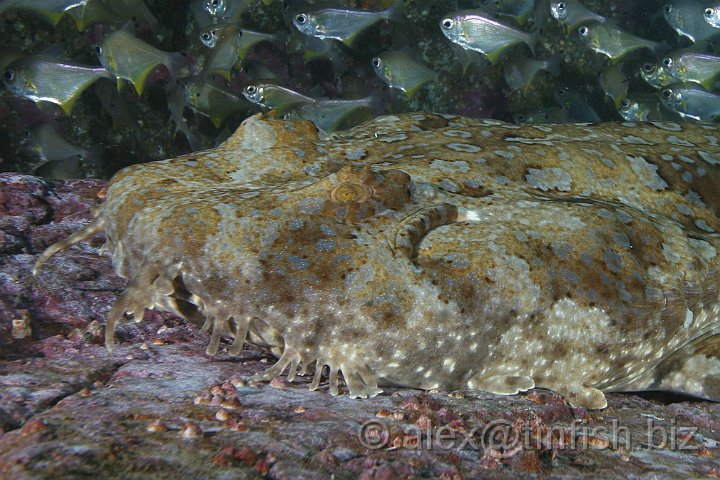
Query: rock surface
x=158 y=407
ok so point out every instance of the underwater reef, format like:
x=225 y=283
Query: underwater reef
x=88 y=91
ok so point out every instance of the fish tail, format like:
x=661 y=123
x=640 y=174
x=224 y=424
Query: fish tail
x=396 y=12
x=175 y=63
x=93 y=156
x=374 y=102
x=175 y=96
x=96 y=226
x=530 y=40
x=552 y=65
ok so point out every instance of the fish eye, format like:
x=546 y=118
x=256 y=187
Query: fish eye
x=561 y=6
x=9 y=75
x=447 y=23
x=301 y=18
x=648 y=67
x=521 y=118
x=667 y=62
x=98 y=49
x=625 y=103
x=251 y=89
x=376 y=62
x=583 y=31
x=668 y=8
x=206 y=35
x=708 y=12
x=667 y=94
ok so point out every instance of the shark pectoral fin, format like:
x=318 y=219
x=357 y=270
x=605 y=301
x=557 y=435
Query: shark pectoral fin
x=502 y=384
x=693 y=369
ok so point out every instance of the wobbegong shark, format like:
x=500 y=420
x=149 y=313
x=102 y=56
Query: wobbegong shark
x=436 y=252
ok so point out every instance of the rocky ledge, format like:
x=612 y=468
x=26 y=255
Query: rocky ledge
x=158 y=407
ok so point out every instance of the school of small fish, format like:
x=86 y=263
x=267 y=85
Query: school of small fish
x=339 y=64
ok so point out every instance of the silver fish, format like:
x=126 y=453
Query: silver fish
x=645 y=107
x=691 y=101
x=520 y=70
x=577 y=107
x=655 y=75
x=129 y=58
x=176 y=96
x=47 y=78
x=336 y=114
x=687 y=19
x=695 y=67
x=474 y=30
x=614 y=83
x=49 y=10
x=113 y=12
x=343 y=24
x=230 y=44
x=45 y=142
x=518 y=10
x=400 y=70
x=712 y=16
x=225 y=10
x=211 y=99
x=274 y=97
x=572 y=13
x=613 y=42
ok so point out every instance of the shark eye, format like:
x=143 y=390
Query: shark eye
x=9 y=75
x=447 y=23
x=351 y=192
x=301 y=18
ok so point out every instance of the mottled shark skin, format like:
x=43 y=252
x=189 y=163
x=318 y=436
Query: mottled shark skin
x=435 y=251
